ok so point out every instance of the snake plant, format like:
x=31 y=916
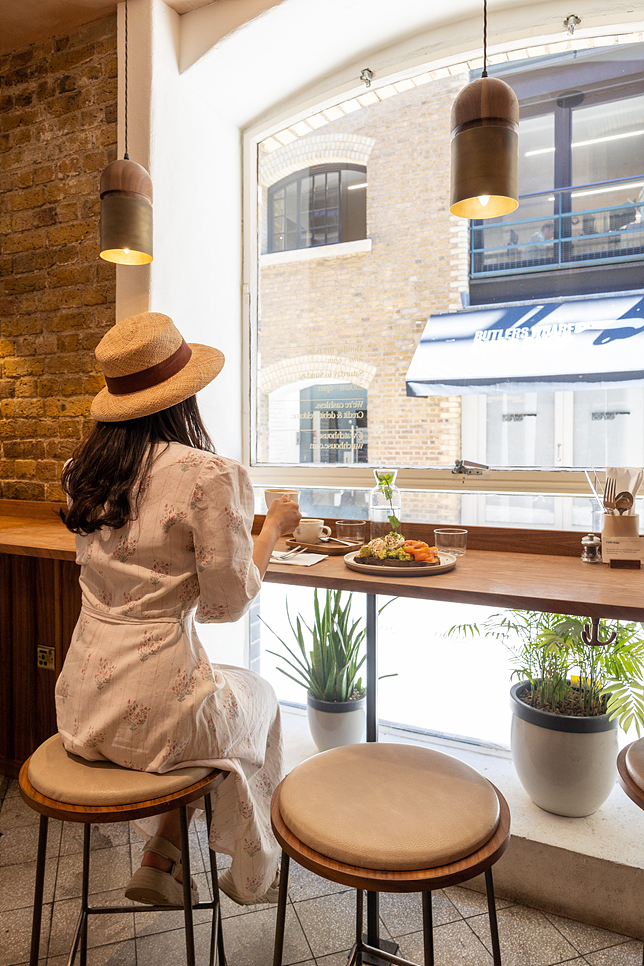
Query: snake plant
x=327 y=659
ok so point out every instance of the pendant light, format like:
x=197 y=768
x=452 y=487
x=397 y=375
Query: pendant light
x=126 y=204
x=485 y=146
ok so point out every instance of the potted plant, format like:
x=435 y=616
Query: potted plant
x=327 y=663
x=567 y=704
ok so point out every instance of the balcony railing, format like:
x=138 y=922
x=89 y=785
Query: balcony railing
x=560 y=229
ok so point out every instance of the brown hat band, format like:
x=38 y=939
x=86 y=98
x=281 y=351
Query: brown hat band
x=137 y=381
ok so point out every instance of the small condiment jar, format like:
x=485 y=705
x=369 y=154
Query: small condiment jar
x=591 y=549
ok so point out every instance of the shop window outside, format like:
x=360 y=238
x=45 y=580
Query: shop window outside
x=376 y=302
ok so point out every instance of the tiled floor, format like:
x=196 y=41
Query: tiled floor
x=319 y=922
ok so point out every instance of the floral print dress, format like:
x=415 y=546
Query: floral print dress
x=137 y=687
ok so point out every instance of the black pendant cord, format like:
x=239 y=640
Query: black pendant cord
x=126 y=155
x=484 y=74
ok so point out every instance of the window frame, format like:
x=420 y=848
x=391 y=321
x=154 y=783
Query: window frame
x=563 y=481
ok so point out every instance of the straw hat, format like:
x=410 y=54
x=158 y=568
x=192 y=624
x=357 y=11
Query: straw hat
x=149 y=367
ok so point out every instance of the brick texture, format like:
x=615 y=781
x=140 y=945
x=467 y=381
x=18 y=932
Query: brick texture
x=58 y=103
x=377 y=301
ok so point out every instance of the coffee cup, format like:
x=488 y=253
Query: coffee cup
x=270 y=495
x=310 y=530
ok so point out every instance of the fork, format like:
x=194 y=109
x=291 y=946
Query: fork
x=609 y=494
x=295 y=552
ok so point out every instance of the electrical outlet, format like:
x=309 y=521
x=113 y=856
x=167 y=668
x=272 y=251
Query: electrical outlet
x=46 y=658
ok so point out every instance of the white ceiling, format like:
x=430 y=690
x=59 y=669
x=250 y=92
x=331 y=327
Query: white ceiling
x=24 y=22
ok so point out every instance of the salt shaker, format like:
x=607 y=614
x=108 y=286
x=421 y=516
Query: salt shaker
x=591 y=549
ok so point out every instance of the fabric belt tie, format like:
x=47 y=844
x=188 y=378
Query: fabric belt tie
x=112 y=618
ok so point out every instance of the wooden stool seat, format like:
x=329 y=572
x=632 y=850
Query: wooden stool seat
x=65 y=787
x=337 y=805
x=634 y=759
x=336 y=813
x=65 y=778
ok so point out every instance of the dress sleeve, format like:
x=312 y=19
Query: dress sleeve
x=221 y=517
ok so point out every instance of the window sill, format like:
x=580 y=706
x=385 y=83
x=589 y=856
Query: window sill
x=320 y=251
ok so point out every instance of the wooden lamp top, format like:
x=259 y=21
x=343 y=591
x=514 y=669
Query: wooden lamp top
x=128 y=177
x=485 y=98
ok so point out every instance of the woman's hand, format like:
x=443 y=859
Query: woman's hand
x=282 y=517
x=283 y=514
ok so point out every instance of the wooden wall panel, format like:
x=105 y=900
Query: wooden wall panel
x=40 y=600
x=6 y=669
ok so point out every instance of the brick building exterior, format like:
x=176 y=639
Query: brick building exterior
x=58 y=130
x=376 y=302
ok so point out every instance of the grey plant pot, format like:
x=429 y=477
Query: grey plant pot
x=335 y=723
x=567 y=765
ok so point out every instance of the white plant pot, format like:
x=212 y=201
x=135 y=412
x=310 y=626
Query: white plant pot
x=567 y=765
x=336 y=723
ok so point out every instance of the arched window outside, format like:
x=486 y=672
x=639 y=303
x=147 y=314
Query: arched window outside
x=323 y=205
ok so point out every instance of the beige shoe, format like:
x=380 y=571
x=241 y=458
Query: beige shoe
x=227 y=885
x=158 y=888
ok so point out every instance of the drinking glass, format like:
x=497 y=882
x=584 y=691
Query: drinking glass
x=353 y=530
x=451 y=540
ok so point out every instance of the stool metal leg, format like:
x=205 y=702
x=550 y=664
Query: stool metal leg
x=187 y=896
x=428 y=929
x=39 y=890
x=216 y=932
x=281 y=911
x=355 y=959
x=80 y=935
x=494 y=927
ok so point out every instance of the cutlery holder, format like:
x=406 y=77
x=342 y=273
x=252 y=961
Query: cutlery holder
x=621 y=526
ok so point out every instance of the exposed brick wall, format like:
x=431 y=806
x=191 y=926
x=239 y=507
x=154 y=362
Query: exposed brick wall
x=58 y=106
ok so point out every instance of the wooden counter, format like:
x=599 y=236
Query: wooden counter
x=40 y=599
x=559 y=585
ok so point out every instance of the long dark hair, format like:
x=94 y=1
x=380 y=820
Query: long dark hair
x=104 y=477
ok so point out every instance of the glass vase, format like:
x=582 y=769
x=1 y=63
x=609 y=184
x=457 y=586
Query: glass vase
x=384 y=504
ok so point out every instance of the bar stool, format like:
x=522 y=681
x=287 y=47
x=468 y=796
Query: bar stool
x=62 y=786
x=630 y=772
x=389 y=818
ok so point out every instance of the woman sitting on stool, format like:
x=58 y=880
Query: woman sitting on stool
x=163 y=538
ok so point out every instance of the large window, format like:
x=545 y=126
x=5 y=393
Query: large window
x=526 y=385
x=545 y=377
x=319 y=206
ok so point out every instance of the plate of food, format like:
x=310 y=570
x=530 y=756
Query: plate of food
x=398 y=557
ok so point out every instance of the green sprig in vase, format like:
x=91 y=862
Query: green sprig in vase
x=384 y=504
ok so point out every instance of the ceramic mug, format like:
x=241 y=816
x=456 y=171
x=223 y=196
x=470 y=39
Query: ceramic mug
x=310 y=531
x=270 y=495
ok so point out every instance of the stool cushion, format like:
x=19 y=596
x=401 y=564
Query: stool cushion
x=66 y=778
x=389 y=806
x=635 y=762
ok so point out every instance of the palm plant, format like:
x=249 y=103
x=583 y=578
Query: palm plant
x=567 y=676
x=329 y=669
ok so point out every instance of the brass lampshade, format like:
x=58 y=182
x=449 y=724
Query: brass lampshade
x=485 y=150
x=126 y=213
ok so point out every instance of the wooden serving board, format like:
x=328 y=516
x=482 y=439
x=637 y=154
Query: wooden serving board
x=331 y=548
